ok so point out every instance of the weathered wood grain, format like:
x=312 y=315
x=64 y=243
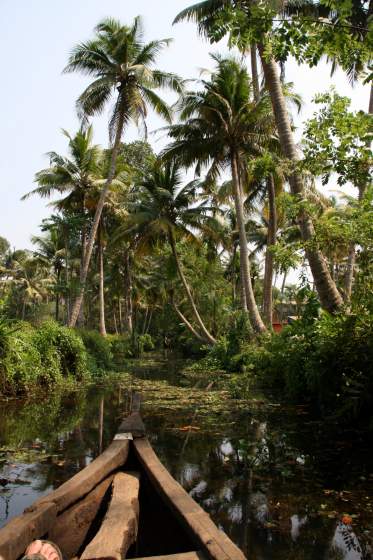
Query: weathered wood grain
x=71 y=527
x=213 y=542
x=196 y=555
x=119 y=528
x=20 y=531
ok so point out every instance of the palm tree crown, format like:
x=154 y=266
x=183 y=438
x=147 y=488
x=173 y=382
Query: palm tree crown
x=73 y=174
x=221 y=118
x=122 y=66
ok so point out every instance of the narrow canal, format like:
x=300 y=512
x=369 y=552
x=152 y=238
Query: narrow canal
x=282 y=485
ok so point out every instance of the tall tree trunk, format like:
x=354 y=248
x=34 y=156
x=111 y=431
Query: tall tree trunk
x=371 y=100
x=349 y=275
x=243 y=300
x=128 y=310
x=120 y=316
x=115 y=321
x=329 y=295
x=254 y=72
x=67 y=279
x=271 y=241
x=80 y=320
x=188 y=324
x=143 y=330
x=57 y=310
x=149 y=321
x=283 y=283
x=209 y=338
x=234 y=279
x=96 y=220
x=253 y=311
x=101 y=284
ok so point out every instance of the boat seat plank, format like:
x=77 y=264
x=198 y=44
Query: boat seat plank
x=213 y=542
x=120 y=525
x=85 y=480
x=72 y=526
x=196 y=555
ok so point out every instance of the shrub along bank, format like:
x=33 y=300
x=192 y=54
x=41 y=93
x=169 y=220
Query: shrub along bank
x=323 y=360
x=51 y=353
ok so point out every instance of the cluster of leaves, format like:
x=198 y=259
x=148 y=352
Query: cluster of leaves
x=109 y=353
x=326 y=361
x=306 y=30
x=52 y=353
x=337 y=140
x=41 y=356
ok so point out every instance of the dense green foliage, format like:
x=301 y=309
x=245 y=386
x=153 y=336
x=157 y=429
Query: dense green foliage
x=139 y=258
x=53 y=354
x=32 y=357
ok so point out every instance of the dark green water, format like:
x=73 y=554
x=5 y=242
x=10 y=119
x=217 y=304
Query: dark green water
x=276 y=481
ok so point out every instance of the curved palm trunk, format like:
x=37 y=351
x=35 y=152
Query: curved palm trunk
x=329 y=295
x=88 y=253
x=252 y=307
x=101 y=286
x=271 y=241
x=209 y=338
x=187 y=324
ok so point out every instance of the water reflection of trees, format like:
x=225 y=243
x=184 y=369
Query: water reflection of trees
x=258 y=487
x=258 y=481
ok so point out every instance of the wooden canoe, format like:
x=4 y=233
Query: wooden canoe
x=125 y=504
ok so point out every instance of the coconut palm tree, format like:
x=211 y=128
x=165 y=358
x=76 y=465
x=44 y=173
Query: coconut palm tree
x=122 y=67
x=223 y=126
x=167 y=211
x=72 y=176
x=50 y=251
x=205 y=13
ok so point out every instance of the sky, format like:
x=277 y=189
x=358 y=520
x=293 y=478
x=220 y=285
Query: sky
x=37 y=100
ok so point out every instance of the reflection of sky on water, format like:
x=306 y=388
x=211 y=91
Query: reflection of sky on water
x=345 y=544
x=27 y=487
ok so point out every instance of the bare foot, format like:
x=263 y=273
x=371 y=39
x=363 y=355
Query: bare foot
x=45 y=549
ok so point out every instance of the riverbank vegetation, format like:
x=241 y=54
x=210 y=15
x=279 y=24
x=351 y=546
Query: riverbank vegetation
x=134 y=256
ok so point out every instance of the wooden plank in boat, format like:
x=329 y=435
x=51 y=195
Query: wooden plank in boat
x=83 y=482
x=20 y=531
x=196 y=555
x=119 y=528
x=72 y=526
x=213 y=542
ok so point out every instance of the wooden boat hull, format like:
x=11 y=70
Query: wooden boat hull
x=170 y=526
